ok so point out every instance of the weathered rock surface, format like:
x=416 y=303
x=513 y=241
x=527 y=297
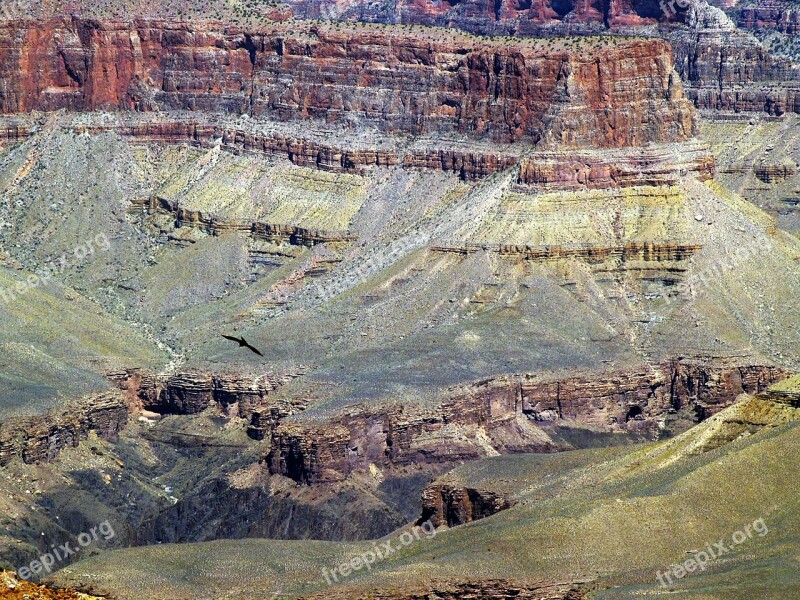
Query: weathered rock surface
x=510 y=414
x=42 y=438
x=449 y=505
x=661 y=165
x=621 y=94
x=192 y=392
x=780 y=15
x=491 y=589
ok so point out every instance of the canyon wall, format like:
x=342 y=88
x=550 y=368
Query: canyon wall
x=42 y=438
x=510 y=414
x=493 y=17
x=604 y=94
x=191 y=392
x=445 y=504
x=779 y=15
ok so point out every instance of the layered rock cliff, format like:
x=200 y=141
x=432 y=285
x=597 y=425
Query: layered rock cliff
x=510 y=414
x=191 y=392
x=779 y=15
x=42 y=438
x=608 y=94
x=445 y=504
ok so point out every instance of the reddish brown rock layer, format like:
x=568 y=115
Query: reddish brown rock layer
x=510 y=412
x=610 y=96
x=655 y=166
x=42 y=438
x=449 y=505
x=191 y=392
x=772 y=14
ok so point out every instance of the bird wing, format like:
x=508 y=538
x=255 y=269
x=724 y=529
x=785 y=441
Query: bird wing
x=227 y=337
x=254 y=349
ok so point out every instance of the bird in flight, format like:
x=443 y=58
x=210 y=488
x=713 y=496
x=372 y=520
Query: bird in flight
x=242 y=343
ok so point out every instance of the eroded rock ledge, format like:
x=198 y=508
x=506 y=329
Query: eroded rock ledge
x=489 y=589
x=191 y=392
x=619 y=93
x=445 y=504
x=511 y=414
x=42 y=438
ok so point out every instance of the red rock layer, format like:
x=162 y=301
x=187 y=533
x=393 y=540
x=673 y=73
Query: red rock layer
x=609 y=96
x=191 y=392
x=772 y=14
x=656 y=166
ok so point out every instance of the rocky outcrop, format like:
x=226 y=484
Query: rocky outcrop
x=642 y=397
x=780 y=15
x=488 y=589
x=726 y=70
x=654 y=165
x=13 y=588
x=191 y=392
x=609 y=95
x=511 y=414
x=648 y=252
x=42 y=438
x=301 y=151
x=774 y=173
x=444 y=504
x=468 y=165
x=494 y=17
x=270 y=232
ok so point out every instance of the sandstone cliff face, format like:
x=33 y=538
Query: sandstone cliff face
x=449 y=505
x=192 y=392
x=728 y=71
x=779 y=15
x=509 y=414
x=42 y=438
x=610 y=96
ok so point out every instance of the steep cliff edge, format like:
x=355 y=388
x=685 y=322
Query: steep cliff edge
x=608 y=93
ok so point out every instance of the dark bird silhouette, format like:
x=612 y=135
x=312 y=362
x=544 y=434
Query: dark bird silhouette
x=243 y=344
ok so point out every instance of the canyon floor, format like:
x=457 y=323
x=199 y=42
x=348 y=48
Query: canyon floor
x=525 y=286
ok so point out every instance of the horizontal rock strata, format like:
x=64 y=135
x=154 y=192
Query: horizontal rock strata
x=488 y=589
x=780 y=15
x=192 y=392
x=270 y=232
x=659 y=165
x=509 y=414
x=621 y=94
x=649 y=252
x=42 y=438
